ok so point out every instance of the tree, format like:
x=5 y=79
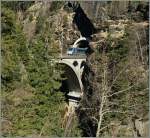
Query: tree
x=31 y=79
x=115 y=91
x=119 y=94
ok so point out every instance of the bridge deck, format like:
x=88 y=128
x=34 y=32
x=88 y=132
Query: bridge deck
x=73 y=57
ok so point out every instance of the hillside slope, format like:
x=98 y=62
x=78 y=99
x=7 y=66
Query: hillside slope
x=115 y=101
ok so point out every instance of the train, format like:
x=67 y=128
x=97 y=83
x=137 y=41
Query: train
x=77 y=51
x=80 y=47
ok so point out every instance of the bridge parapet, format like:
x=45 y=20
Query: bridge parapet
x=66 y=56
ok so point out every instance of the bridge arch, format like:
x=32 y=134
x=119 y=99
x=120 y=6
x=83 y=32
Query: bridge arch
x=73 y=77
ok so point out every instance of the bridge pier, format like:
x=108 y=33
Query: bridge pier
x=74 y=98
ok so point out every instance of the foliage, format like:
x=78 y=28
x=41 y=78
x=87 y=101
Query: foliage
x=32 y=102
x=17 y=5
x=56 y=5
x=118 y=79
x=30 y=80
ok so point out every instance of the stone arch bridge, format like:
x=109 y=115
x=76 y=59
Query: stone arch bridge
x=74 y=66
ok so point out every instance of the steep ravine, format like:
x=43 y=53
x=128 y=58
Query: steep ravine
x=119 y=48
x=116 y=30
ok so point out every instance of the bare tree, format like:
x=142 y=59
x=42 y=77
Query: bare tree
x=104 y=88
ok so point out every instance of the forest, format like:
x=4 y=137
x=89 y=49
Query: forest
x=115 y=79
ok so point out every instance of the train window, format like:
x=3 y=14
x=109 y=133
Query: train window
x=72 y=51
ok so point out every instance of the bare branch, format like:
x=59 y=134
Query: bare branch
x=114 y=103
x=105 y=127
x=100 y=115
x=94 y=119
x=126 y=90
x=87 y=108
x=121 y=91
x=105 y=110
x=114 y=112
x=117 y=77
x=141 y=51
